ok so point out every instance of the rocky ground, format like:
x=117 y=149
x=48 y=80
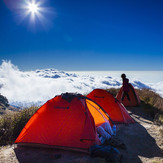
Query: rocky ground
x=143 y=140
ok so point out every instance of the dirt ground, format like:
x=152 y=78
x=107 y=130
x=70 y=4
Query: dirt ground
x=144 y=142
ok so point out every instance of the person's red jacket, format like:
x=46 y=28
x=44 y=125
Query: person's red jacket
x=125 y=85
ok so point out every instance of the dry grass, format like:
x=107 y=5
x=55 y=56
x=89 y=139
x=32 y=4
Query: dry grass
x=152 y=103
x=113 y=91
x=151 y=98
x=12 y=124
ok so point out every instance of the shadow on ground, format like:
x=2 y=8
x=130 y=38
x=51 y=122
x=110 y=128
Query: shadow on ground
x=43 y=155
x=138 y=142
x=137 y=139
x=138 y=113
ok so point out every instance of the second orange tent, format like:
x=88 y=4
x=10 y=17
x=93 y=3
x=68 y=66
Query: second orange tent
x=111 y=105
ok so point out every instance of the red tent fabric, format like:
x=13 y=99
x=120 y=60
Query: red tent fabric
x=111 y=105
x=134 y=98
x=64 y=123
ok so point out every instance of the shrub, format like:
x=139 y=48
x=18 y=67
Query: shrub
x=4 y=100
x=12 y=124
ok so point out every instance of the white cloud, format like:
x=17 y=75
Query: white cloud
x=41 y=85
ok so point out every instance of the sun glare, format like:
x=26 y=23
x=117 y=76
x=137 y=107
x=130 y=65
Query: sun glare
x=33 y=7
x=36 y=11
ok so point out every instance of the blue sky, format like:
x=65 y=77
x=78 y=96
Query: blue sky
x=84 y=35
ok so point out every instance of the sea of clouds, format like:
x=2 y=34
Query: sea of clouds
x=36 y=87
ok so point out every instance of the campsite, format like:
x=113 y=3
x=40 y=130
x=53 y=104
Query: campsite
x=81 y=81
x=142 y=139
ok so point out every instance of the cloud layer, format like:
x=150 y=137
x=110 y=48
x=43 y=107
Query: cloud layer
x=36 y=87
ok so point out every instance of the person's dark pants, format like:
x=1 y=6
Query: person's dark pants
x=125 y=94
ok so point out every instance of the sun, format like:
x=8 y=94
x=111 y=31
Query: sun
x=36 y=11
x=33 y=7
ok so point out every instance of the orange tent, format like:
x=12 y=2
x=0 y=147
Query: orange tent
x=111 y=105
x=134 y=98
x=67 y=121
